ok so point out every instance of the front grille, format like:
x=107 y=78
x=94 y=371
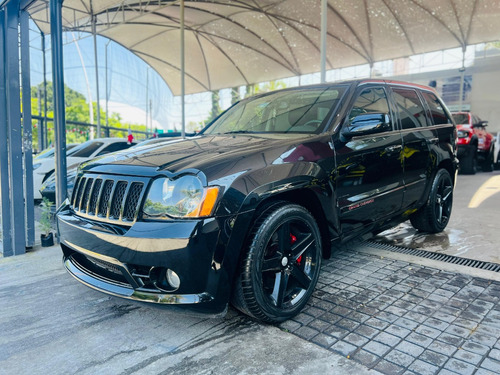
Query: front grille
x=114 y=199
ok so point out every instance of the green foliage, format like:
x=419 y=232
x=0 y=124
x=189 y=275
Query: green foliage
x=46 y=216
x=70 y=96
x=77 y=109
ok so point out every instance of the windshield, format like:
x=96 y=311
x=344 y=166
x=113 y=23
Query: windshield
x=460 y=118
x=288 y=111
x=86 y=149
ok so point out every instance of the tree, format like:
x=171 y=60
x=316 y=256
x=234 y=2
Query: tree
x=216 y=110
x=70 y=96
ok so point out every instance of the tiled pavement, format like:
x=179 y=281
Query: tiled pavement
x=402 y=318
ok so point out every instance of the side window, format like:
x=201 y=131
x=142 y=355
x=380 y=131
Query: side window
x=410 y=109
x=438 y=114
x=114 y=147
x=371 y=100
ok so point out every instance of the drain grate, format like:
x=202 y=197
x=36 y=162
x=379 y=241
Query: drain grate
x=436 y=256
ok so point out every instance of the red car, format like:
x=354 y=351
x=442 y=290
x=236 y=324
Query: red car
x=475 y=145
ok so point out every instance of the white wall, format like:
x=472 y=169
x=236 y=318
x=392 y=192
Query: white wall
x=484 y=99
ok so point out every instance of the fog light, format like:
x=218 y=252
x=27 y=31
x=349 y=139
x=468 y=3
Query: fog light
x=173 y=279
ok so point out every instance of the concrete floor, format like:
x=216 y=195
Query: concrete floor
x=474 y=229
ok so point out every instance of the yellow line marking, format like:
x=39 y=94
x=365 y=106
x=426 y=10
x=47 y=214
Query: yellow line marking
x=489 y=188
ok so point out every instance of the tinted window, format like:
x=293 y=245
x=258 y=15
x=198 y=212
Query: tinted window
x=87 y=150
x=114 y=147
x=460 y=118
x=372 y=100
x=437 y=111
x=289 y=111
x=410 y=109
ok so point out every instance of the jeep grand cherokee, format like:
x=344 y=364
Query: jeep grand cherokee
x=245 y=211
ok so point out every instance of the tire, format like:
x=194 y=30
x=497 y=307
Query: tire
x=468 y=164
x=435 y=214
x=280 y=267
x=487 y=165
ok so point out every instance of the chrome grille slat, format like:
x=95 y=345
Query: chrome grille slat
x=133 y=197
x=96 y=189
x=86 y=192
x=117 y=202
x=111 y=199
x=104 y=202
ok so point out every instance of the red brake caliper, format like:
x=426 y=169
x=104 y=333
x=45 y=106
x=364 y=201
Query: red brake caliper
x=293 y=239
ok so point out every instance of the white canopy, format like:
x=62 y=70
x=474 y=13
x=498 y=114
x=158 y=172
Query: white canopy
x=235 y=42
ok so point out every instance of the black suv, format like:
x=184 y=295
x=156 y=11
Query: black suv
x=245 y=211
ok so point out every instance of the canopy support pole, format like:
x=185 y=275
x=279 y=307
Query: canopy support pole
x=58 y=93
x=14 y=242
x=27 y=128
x=94 y=35
x=42 y=138
x=324 y=10
x=5 y=203
x=183 y=78
x=106 y=86
x=462 y=80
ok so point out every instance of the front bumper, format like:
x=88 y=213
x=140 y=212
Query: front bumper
x=131 y=262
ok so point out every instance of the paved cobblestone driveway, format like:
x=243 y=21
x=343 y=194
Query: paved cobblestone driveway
x=401 y=318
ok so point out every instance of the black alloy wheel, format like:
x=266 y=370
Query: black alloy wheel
x=435 y=214
x=281 y=267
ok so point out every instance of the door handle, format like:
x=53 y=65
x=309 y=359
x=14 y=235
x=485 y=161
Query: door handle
x=394 y=148
x=432 y=141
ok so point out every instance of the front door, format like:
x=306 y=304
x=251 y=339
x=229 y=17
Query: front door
x=369 y=173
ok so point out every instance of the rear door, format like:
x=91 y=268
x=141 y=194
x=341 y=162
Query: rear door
x=418 y=137
x=369 y=175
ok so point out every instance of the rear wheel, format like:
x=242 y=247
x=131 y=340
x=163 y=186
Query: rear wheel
x=468 y=164
x=280 y=268
x=435 y=214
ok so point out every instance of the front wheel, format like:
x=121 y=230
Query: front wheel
x=280 y=268
x=435 y=214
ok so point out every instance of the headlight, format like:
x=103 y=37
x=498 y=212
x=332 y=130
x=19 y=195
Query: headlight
x=462 y=134
x=37 y=165
x=183 y=197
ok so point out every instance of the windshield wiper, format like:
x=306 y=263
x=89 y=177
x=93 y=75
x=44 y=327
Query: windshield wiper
x=238 y=132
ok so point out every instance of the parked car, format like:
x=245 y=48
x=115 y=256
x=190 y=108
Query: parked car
x=43 y=168
x=49 y=152
x=475 y=145
x=246 y=210
x=48 y=188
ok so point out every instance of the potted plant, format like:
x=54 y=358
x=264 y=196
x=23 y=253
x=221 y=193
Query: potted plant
x=46 y=223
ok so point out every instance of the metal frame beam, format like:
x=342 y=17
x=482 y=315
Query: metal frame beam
x=27 y=127
x=59 y=108
x=14 y=132
x=4 y=155
x=324 y=26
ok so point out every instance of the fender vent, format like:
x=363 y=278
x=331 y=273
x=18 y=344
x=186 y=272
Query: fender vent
x=436 y=256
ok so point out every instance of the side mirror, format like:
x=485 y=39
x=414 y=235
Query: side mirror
x=368 y=123
x=480 y=124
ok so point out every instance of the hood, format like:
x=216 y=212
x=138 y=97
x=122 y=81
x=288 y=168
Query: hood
x=202 y=152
